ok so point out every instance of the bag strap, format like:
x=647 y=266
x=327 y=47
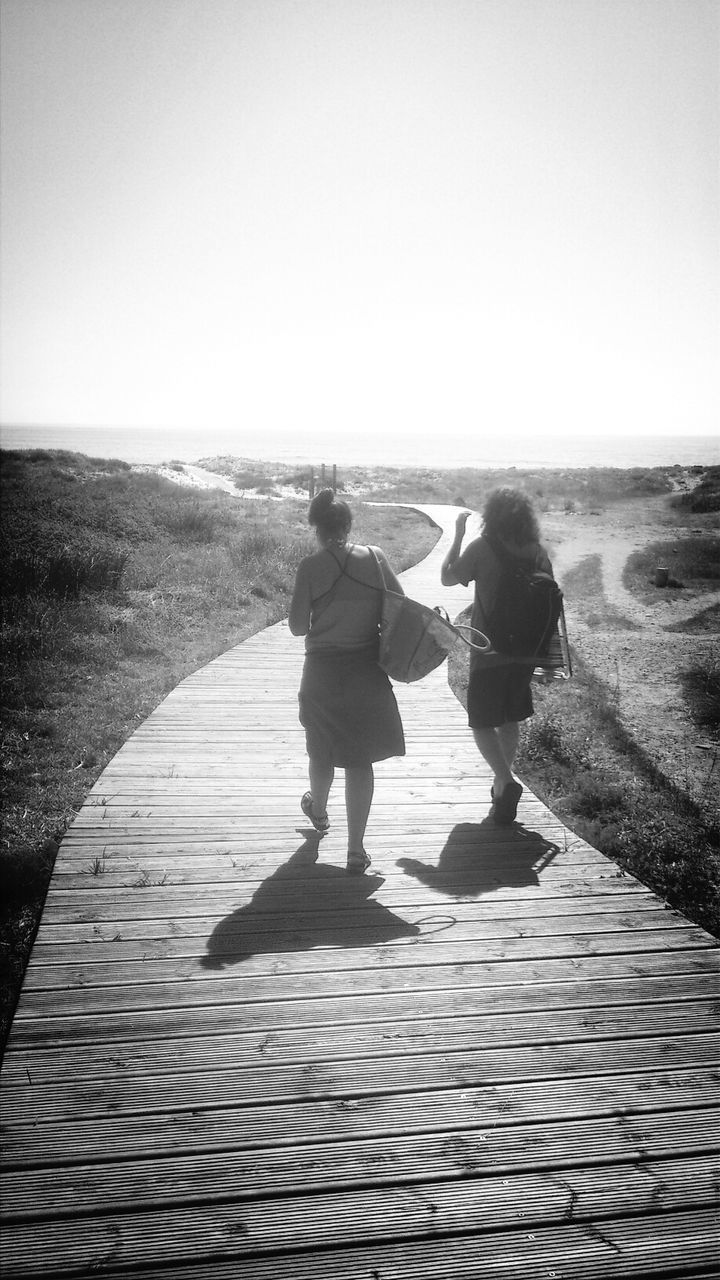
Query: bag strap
x=482 y=644
x=379 y=568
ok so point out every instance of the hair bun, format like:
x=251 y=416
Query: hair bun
x=329 y=513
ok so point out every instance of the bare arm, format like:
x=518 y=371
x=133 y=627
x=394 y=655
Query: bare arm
x=300 y=605
x=448 y=577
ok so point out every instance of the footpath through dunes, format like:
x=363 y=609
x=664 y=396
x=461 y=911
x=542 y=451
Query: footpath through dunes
x=495 y=1053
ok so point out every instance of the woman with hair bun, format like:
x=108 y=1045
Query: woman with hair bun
x=347 y=706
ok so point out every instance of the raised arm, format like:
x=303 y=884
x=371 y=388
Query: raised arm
x=448 y=577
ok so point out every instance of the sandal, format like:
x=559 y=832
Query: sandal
x=321 y=823
x=357 y=863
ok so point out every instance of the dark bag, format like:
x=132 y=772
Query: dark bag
x=528 y=606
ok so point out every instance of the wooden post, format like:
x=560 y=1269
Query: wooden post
x=311 y=485
x=334 y=477
x=322 y=476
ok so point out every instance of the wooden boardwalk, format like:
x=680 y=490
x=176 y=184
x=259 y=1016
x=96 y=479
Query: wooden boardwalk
x=496 y=1055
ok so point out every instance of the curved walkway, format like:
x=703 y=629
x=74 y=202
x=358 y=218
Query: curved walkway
x=494 y=1055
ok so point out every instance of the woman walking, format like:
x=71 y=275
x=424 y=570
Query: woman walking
x=347 y=706
x=499 y=693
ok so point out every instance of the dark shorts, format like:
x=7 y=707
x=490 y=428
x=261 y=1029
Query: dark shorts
x=498 y=695
x=348 y=709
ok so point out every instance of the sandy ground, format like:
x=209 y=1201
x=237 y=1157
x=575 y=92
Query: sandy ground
x=638 y=658
x=199 y=478
x=641 y=661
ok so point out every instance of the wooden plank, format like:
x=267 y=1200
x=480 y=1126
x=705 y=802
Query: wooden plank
x=34 y=1065
x=55 y=971
x=33 y=1103
x=233 y=986
x=149 y=902
x=587 y=933
x=426 y=1211
x=232 y=1175
x=354 y=1115
x=681 y=1244
x=139 y=1023
x=424 y=923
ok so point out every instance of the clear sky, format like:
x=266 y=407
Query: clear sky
x=337 y=212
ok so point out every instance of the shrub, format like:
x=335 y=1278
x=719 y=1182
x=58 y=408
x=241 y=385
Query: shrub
x=193 y=521
x=252 y=480
x=543 y=738
x=701 y=684
x=67 y=573
x=705 y=496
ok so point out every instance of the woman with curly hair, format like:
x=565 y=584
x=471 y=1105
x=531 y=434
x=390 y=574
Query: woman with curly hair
x=347 y=705
x=499 y=694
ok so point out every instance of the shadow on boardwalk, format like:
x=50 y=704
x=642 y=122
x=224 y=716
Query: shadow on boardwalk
x=480 y=858
x=303 y=905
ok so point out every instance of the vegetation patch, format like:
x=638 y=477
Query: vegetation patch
x=701 y=684
x=705 y=496
x=693 y=562
x=561 y=489
x=707 y=620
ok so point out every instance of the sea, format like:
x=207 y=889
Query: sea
x=155 y=445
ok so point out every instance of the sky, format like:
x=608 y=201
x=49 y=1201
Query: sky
x=415 y=215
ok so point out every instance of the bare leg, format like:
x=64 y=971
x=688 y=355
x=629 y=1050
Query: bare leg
x=359 y=788
x=498 y=748
x=321 y=779
x=509 y=735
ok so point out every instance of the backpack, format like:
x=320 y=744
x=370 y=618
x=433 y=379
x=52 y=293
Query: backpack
x=527 y=609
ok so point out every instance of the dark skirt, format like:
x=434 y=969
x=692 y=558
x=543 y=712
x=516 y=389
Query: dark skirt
x=348 y=709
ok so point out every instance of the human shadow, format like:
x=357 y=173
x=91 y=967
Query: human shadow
x=480 y=857
x=305 y=904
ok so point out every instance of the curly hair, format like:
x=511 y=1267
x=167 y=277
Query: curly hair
x=329 y=515
x=509 y=515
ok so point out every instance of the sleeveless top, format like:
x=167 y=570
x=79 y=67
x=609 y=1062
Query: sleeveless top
x=345 y=617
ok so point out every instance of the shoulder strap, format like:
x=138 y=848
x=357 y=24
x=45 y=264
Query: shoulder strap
x=333 y=586
x=370 y=585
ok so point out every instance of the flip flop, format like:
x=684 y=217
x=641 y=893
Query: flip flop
x=322 y=823
x=357 y=863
